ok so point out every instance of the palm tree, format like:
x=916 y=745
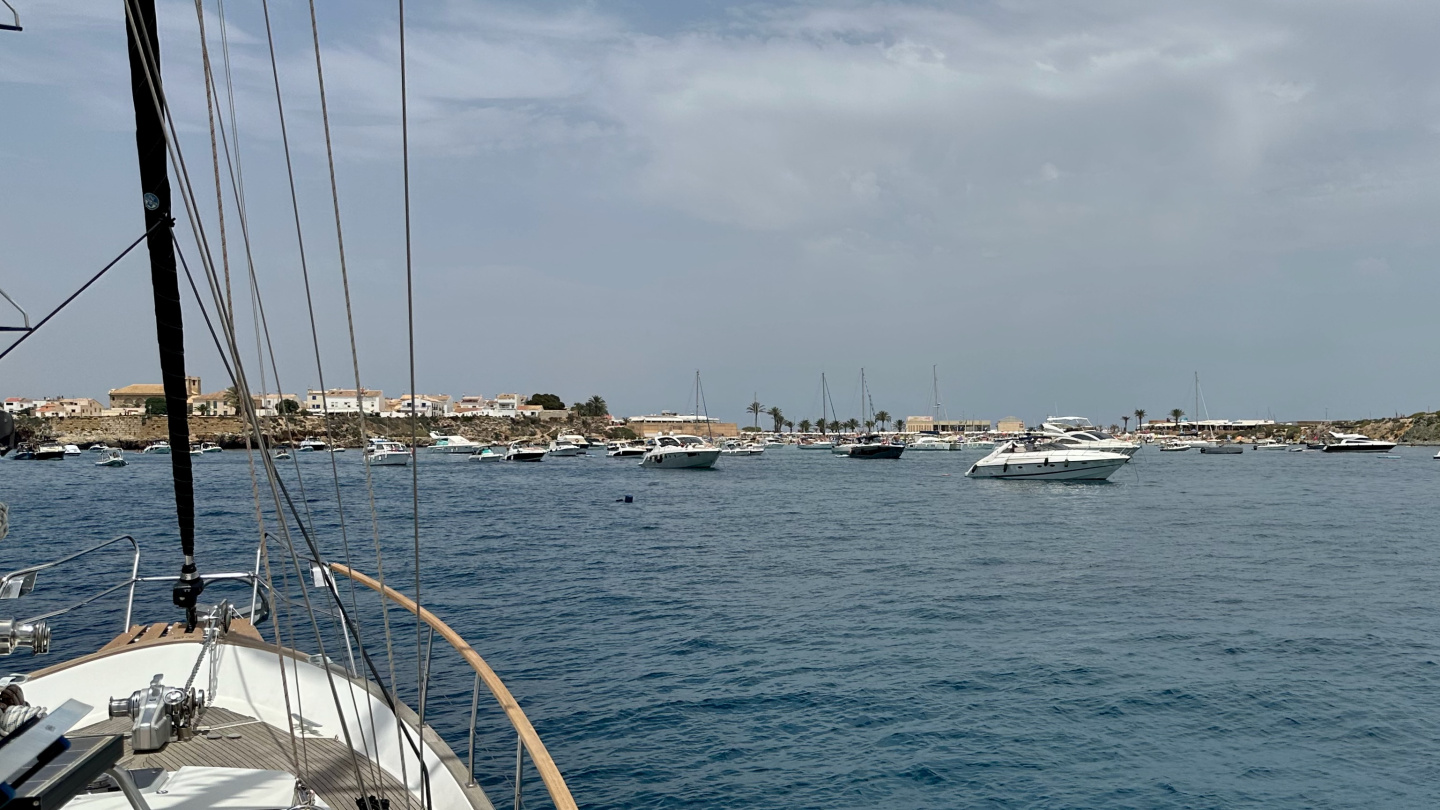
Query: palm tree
x=232 y=398
x=821 y=424
x=883 y=417
x=852 y=423
x=756 y=408
x=790 y=426
x=899 y=425
x=804 y=425
x=776 y=415
x=1175 y=414
x=1127 y=423
x=1139 y=418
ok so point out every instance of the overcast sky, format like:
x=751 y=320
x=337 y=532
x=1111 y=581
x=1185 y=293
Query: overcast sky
x=1064 y=207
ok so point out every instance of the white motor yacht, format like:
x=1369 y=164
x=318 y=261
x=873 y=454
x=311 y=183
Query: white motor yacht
x=1357 y=443
x=736 y=448
x=929 y=443
x=625 y=449
x=1047 y=462
x=386 y=453
x=1270 y=444
x=72 y=450
x=49 y=451
x=872 y=447
x=522 y=451
x=452 y=445
x=310 y=444
x=979 y=443
x=1077 y=433
x=679 y=452
x=823 y=444
x=160 y=448
x=564 y=448
x=580 y=442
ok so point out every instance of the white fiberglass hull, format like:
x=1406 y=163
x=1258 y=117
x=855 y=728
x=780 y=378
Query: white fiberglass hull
x=680 y=458
x=1057 y=465
x=922 y=446
x=564 y=450
x=816 y=446
x=387 y=459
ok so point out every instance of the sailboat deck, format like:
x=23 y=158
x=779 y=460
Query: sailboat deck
x=234 y=740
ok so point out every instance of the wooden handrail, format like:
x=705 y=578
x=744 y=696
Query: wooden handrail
x=549 y=773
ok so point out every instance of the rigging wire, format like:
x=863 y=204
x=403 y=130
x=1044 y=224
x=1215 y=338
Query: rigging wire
x=82 y=289
x=350 y=326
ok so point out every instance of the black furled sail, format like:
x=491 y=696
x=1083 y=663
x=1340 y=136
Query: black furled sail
x=149 y=99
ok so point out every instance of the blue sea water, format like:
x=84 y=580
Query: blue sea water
x=804 y=631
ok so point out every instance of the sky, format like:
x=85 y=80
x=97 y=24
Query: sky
x=1047 y=207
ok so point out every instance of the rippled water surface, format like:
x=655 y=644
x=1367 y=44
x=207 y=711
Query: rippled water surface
x=804 y=631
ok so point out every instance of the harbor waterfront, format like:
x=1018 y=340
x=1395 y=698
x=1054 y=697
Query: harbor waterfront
x=802 y=630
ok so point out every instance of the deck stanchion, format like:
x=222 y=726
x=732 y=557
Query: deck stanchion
x=474 y=706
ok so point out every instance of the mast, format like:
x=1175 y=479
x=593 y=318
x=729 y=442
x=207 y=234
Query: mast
x=146 y=88
x=935 y=384
x=824 y=395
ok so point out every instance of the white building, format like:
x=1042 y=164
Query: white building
x=343 y=400
x=18 y=404
x=269 y=404
x=421 y=405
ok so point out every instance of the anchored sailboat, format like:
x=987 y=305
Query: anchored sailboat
x=224 y=707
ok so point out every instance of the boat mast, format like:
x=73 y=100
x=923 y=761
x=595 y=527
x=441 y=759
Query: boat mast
x=824 y=395
x=150 y=141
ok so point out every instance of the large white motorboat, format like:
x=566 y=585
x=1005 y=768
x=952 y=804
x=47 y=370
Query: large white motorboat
x=310 y=444
x=625 y=449
x=452 y=445
x=49 y=451
x=1270 y=444
x=73 y=450
x=386 y=453
x=1046 y=461
x=159 y=448
x=734 y=447
x=580 y=442
x=559 y=447
x=979 y=443
x=929 y=443
x=1357 y=443
x=1077 y=433
x=679 y=452
x=816 y=444
x=524 y=451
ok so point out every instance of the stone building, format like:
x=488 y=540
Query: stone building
x=134 y=396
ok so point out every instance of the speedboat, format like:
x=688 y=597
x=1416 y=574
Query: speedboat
x=624 y=449
x=1077 y=433
x=735 y=448
x=157 y=448
x=679 y=452
x=310 y=444
x=282 y=454
x=873 y=447
x=210 y=447
x=453 y=445
x=825 y=444
x=196 y=451
x=929 y=443
x=24 y=452
x=1270 y=444
x=1174 y=446
x=1222 y=450
x=1047 y=462
x=1357 y=443
x=486 y=453
x=386 y=453
x=49 y=451
x=522 y=451
x=558 y=447
x=72 y=450
x=112 y=457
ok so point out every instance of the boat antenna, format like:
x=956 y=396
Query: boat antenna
x=824 y=395
x=165 y=282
